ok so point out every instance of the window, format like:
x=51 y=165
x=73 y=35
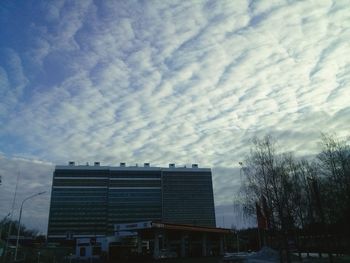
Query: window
x=96 y=251
x=82 y=251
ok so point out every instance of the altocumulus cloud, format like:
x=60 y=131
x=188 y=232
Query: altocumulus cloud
x=159 y=81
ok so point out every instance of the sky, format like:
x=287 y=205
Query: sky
x=165 y=82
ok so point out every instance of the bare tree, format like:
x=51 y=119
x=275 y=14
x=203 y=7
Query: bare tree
x=334 y=163
x=267 y=177
x=299 y=195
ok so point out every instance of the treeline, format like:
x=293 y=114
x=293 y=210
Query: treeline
x=293 y=194
x=10 y=228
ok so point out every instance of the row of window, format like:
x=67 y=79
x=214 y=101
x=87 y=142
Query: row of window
x=193 y=179
x=185 y=176
x=188 y=218
x=79 y=191
x=150 y=194
x=104 y=192
x=131 y=191
x=76 y=213
x=126 y=175
x=114 y=183
x=59 y=173
x=79 y=183
x=133 y=212
x=76 y=230
x=74 y=195
x=124 y=219
x=188 y=209
x=134 y=183
x=135 y=208
x=91 y=224
x=79 y=199
x=127 y=201
x=96 y=178
x=77 y=217
x=80 y=232
x=74 y=216
x=184 y=197
x=135 y=174
x=187 y=196
x=187 y=215
x=115 y=201
x=188 y=188
x=104 y=199
x=84 y=203
x=78 y=207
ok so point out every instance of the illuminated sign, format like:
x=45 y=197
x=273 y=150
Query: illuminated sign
x=133 y=226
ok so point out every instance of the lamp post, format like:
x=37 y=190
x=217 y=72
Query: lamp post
x=19 y=220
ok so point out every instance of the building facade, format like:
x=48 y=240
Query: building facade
x=89 y=200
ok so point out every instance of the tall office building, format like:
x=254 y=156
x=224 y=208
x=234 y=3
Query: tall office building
x=91 y=199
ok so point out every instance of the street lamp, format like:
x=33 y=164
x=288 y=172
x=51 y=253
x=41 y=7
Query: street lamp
x=19 y=220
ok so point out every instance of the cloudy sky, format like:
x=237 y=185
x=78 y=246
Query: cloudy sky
x=165 y=81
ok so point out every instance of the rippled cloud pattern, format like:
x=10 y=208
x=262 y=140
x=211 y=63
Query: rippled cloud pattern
x=168 y=81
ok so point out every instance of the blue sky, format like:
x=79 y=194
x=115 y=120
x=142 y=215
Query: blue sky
x=165 y=81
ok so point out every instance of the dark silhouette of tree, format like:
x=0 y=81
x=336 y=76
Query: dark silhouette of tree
x=334 y=164
x=24 y=231
x=299 y=195
x=267 y=177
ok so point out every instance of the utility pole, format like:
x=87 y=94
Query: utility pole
x=12 y=209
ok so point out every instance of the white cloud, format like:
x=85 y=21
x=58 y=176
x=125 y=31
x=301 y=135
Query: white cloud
x=12 y=80
x=33 y=177
x=174 y=82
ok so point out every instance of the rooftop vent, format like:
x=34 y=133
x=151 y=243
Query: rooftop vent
x=122 y=164
x=194 y=165
x=71 y=163
x=146 y=165
x=171 y=165
x=97 y=163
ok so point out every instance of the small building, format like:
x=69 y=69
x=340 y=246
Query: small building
x=92 y=248
x=155 y=239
